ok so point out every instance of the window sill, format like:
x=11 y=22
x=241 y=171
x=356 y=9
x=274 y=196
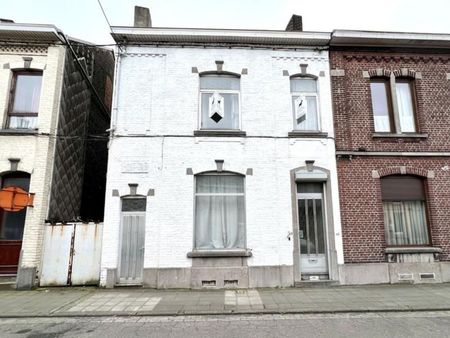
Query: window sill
x=220 y=253
x=307 y=134
x=19 y=131
x=405 y=135
x=412 y=250
x=220 y=133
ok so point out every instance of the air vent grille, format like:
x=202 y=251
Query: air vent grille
x=208 y=283
x=427 y=275
x=405 y=276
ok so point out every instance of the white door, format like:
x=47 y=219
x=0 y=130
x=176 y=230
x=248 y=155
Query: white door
x=132 y=241
x=312 y=230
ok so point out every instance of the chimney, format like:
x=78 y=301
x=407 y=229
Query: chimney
x=142 y=17
x=295 y=24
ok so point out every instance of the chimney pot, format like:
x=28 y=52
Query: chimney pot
x=142 y=17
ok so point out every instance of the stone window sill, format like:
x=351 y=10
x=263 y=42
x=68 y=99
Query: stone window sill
x=220 y=133
x=307 y=134
x=220 y=253
x=412 y=250
x=405 y=135
x=19 y=131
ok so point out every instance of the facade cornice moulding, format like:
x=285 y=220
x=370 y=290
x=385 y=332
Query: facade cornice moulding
x=392 y=153
x=395 y=58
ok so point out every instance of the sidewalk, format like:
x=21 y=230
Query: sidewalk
x=74 y=302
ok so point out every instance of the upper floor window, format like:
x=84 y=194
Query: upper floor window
x=404 y=206
x=219 y=97
x=393 y=105
x=219 y=211
x=24 y=100
x=304 y=103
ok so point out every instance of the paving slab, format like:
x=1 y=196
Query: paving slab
x=85 y=302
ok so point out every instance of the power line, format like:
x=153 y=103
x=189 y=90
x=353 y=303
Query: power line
x=104 y=14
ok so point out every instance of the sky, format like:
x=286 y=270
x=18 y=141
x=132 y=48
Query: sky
x=83 y=19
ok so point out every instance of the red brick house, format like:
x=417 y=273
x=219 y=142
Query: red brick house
x=391 y=97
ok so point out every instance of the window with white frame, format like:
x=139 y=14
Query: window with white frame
x=305 y=103
x=393 y=105
x=404 y=206
x=219 y=211
x=219 y=100
x=24 y=100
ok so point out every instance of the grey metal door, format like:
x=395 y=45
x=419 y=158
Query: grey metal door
x=312 y=229
x=132 y=248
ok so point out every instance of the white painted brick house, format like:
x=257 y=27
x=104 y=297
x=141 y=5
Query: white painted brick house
x=218 y=174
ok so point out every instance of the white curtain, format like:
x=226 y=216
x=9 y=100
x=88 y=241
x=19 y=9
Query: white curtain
x=382 y=123
x=405 y=107
x=219 y=214
x=23 y=122
x=405 y=223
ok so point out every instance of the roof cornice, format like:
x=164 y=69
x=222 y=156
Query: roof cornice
x=142 y=36
x=352 y=38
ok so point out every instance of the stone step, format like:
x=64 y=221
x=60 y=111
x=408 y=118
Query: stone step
x=316 y=284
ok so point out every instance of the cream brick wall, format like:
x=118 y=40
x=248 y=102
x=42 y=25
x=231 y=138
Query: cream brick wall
x=157 y=99
x=35 y=152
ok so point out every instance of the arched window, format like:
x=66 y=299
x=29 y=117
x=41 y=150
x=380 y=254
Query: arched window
x=219 y=211
x=12 y=223
x=305 y=103
x=219 y=96
x=404 y=206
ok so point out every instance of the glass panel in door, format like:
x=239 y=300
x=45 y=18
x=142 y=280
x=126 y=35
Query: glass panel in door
x=313 y=257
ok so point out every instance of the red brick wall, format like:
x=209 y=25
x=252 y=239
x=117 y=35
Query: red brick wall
x=362 y=209
x=360 y=194
x=353 y=108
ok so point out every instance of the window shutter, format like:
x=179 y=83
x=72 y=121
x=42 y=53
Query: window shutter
x=402 y=188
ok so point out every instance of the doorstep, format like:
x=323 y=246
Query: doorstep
x=322 y=283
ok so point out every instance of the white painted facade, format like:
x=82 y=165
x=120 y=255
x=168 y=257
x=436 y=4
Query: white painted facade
x=156 y=111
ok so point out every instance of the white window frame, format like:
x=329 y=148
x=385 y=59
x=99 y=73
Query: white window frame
x=220 y=91
x=315 y=94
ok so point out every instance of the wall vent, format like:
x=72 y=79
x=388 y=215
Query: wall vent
x=208 y=283
x=231 y=283
x=427 y=275
x=405 y=276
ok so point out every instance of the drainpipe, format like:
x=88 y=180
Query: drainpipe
x=115 y=103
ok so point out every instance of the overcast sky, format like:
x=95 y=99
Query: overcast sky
x=83 y=19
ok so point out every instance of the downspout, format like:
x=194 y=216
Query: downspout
x=115 y=103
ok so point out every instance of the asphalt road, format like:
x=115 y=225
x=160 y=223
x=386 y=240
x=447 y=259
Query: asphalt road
x=410 y=324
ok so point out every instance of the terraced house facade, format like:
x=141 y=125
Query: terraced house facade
x=222 y=167
x=54 y=93
x=391 y=100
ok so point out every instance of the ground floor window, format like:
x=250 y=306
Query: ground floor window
x=219 y=211
x=404 y=206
